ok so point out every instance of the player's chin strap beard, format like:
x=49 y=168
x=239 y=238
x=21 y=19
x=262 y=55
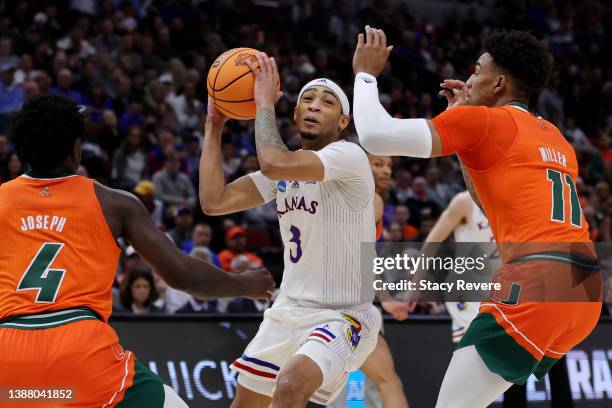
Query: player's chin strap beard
x=309 y=135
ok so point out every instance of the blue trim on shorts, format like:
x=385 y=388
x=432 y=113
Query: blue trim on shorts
x=326 y=332
x=260 y=362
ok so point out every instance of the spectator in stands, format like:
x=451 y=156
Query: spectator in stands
x=145 y=191
x=401 y=216
x=12 y=95
x=229 y=160
x=14 y=168
x=395 y=233
x=401 y=191
x=133 y=115
x=420 y=201
x=183 y=222
x=130 y=161
x=200 y=238
x=64 y=86
x=438 y=191
x=187 y=108
x=6 y=52
x=235 y=239
x=192 y=156
x=172 y=187
x=138 y=293
x=157 y=155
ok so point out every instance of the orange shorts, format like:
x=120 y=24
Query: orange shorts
x=517 y=338
x=83 y=356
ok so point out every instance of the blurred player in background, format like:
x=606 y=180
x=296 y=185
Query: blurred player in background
x=466 y=221
x=58 y=261
x=520 y=169
x=323 y=324
x=379 y=367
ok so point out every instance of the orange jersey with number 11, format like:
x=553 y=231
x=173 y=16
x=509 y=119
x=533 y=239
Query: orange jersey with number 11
x=522 y=169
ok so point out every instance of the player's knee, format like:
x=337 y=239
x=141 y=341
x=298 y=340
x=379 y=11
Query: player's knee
x=290 y=391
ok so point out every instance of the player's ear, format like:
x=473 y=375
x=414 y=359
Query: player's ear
x=295 y=114
x=343 y=122
x=501 y=82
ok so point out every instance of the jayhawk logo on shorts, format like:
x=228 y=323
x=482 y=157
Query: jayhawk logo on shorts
x=353 y=332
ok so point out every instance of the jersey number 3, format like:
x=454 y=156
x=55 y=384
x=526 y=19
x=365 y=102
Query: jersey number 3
x=40 y=277
x=557 y=213
x=296 y=237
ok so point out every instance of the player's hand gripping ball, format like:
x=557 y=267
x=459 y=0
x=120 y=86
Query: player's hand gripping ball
x=230 y=83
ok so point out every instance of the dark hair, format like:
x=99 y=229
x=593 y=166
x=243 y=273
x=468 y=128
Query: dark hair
x=45 y=129
x=523 y=57
x=126 y=287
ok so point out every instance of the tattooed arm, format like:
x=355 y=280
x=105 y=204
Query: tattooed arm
x=275 y=160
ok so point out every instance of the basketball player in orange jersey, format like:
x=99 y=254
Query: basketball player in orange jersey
x=521 y=171
x=57 y=264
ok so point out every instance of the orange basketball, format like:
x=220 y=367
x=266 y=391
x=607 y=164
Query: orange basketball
x=230 y=83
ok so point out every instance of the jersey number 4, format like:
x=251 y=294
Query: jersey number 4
x=39 y=275
x=557 y=213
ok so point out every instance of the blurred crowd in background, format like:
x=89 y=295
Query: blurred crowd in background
x=139 y=67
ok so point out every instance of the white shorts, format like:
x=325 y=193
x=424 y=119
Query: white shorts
x=462 y=314
x=338 y=341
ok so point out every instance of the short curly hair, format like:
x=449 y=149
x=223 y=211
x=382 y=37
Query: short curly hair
x=523 y=57
x=45 y=129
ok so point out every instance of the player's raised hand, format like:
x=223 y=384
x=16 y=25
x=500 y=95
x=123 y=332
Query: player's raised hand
x=266 y=81
x=214 y=115
x=372 y=52
x=455 y=92
x=258 y=282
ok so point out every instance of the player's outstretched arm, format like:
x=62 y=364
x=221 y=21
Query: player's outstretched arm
x=127 y=217
x=275 y=160
x=217 y=198
x=378 y=132
x=458 y=211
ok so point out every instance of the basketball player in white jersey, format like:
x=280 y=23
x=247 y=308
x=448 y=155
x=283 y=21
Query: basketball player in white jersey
x=323 y=324
x=466 y=221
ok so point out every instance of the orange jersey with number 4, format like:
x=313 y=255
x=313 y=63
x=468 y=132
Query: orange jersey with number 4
x=522 y=169
x=57 y=250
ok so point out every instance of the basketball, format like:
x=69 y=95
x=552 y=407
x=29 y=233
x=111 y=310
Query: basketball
x=230 y=83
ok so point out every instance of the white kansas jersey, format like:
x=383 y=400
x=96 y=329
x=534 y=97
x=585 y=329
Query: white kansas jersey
x=475 y=229
x=323 y=225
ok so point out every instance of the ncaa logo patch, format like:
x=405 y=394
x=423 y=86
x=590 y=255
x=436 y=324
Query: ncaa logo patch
x=281 y=186
x=353 y=331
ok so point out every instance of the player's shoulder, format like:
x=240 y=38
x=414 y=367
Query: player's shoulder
x=116 y=200
x=352 y=150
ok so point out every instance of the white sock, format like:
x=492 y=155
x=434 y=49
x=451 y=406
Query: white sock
x=468 y=383
x=171 y=399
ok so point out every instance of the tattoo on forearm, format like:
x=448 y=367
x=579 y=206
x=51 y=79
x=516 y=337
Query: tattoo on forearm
x=266 y=131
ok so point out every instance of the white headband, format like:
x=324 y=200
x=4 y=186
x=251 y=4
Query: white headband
x=332 y=86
